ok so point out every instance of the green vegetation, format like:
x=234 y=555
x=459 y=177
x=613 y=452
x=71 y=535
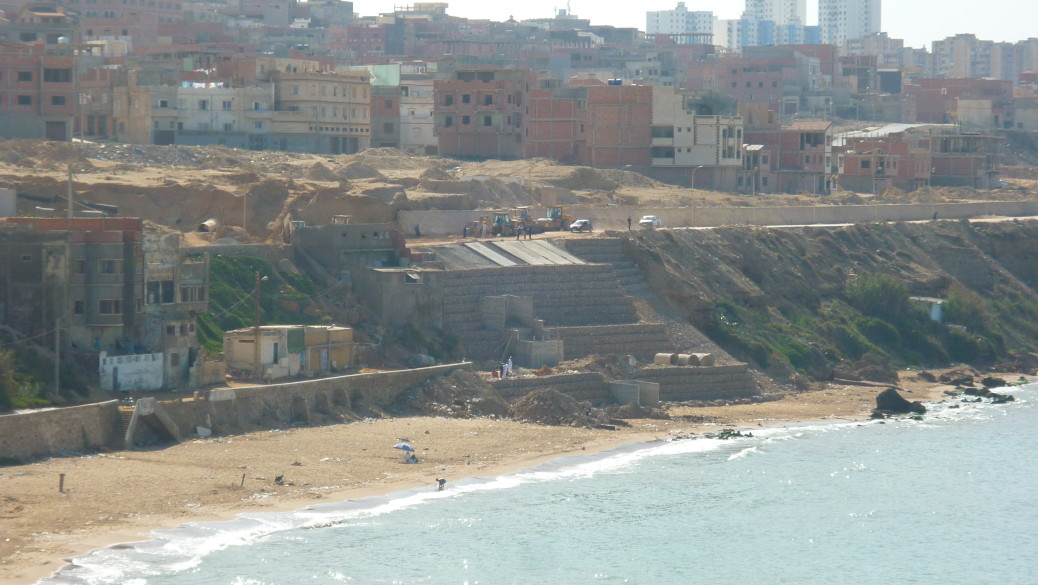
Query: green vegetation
x=284 y=298
x=26 y=373
x=872 y=316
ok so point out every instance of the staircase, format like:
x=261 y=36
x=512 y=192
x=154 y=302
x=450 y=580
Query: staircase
x=125 y=420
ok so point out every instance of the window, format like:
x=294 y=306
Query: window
x=448 y=100
x=192 y=294
x=57 y=100
x=57 y=75
x=488 y=100
x=388 y=127
x=110 y=266
x=466 y=98
x=80 y=266
x=171 y=330
x=389 y=104
x=109 y=307
x=258 y=125
x=26 y=257
x=79 y=307
x=448 y=121
x=228 y=127
x=865 y=164
x=25 y=76
x=25 y=100
x=163 y=103
x=488 y=121
x=203 y=104
x=228 y=104
x=465 y=120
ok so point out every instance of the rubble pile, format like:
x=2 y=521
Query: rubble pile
x=460 y=394
x=551 y=407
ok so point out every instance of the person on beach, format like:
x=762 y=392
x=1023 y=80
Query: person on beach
x=440 y=482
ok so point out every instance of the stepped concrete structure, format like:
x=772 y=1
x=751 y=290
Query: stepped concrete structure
x=500 y=296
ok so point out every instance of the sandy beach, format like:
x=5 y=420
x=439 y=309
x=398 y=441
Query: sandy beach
x=116 y=497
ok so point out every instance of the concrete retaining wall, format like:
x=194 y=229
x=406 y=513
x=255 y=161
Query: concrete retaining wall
x=59 y=431
x=322 y=401
x=615 y=218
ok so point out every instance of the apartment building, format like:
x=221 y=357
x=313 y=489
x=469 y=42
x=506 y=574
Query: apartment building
x=321 y=111
x=107 y=286
x=164 y=110
x=685 y=144
x=681 y=24
x=840 y=20
x=37 y=90
x=480 y=112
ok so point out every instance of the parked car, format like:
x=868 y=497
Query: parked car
x=581 y=225
x=649 y=221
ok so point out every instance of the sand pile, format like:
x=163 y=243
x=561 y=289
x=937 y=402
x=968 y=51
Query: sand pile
x=319 y=172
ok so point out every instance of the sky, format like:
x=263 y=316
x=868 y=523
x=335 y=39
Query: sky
x=918 y=22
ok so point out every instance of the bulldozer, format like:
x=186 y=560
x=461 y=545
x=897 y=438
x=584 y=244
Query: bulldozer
x=555 y=220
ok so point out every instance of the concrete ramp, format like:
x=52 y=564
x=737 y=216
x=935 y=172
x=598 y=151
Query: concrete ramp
x=460 y=258
x=485 y=251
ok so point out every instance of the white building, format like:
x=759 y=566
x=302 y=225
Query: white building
x=780 y=12
x=840 y=20
x=679 y=21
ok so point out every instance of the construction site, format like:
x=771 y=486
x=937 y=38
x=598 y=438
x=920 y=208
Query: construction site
x=728 y=301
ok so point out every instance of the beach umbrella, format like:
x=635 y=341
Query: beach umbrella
x=404 y=447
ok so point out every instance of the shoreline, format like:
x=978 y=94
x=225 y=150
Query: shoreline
x=122 y=497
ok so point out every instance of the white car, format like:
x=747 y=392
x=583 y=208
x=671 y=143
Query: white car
x=649 y=221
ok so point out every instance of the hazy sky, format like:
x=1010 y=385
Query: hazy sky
x=918 y=22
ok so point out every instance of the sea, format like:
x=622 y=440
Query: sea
x=949 y=499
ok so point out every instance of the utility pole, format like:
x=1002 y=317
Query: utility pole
x=256 y=327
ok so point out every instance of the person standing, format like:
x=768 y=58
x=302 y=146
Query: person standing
x=628 y=223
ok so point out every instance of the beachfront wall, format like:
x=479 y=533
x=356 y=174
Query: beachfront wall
x=59 y=431
x=64 y=431
x=615 y=218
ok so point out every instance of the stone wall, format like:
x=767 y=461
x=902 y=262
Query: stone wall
x=615 y=218
x=60 y=431
x=310 y=402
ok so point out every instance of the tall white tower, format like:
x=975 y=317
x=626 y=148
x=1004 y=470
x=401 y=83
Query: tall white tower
x=840 y=20
x=781 y=12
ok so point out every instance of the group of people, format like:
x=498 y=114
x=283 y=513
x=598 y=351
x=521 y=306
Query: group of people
x=506 y=368
x=524 y=228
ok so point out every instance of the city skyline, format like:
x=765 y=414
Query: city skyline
x=918 y=22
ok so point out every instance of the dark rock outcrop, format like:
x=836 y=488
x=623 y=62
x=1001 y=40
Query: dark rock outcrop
x=890 y=402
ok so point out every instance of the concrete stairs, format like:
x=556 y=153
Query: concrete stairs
x=590 y=387
x=610 y=251
x=685 y=383
x=642 y=340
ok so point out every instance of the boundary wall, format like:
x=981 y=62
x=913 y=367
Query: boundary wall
x=615 y=218
x=62 y=431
